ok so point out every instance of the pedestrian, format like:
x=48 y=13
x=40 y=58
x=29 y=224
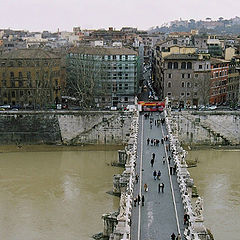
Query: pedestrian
x=162 y=187
x=162 y=140
x=151 y=142
x=143 y=200
x=174 y=169
x=138 y=199
x=145 y=186
x=157 y=142
x=178 y=237
x=135 y=201
x=153 y=156
x=148 y=140
x=136 y=178
x=155 y=122
x=173 y=236
x=159 y=175
x=152 y=162
x=163 y=160
x=154 y=174
x=169 y=159
x=150 y=125
x=171 y=170
x=185 y=219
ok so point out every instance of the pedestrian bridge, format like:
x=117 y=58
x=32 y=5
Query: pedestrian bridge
x=149 y=211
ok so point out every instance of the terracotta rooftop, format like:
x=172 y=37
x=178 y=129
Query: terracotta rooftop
x=28 y=54
x=103 y=51
x=181 y=57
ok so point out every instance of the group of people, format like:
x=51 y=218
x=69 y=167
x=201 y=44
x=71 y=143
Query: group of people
x=153 y=142
x=139 y=199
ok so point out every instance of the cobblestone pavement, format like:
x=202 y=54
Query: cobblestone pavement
x=159 y=217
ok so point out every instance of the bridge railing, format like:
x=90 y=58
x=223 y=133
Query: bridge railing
x=122 y=230
x=183 y=179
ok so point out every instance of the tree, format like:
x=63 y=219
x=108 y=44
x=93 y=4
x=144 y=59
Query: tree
x=202 y=86
x=86 y=78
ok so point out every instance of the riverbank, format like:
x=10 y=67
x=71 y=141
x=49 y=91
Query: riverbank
x=58 y=148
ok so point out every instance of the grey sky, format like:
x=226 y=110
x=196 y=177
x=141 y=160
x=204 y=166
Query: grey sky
x=36 y=15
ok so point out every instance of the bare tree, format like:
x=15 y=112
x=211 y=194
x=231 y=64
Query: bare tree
x=202 y=86
x=86 y=78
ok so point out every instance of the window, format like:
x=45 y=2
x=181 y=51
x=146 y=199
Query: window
x=125 y=99
x=169 y=94
x=182 y=75
x=120 y=57
x=109 y=57
x=195 y=94
x=11 y=75
x=29 y=75
x=169 y=85
x=169 y=75
x=189 y=65
x=196 y=75
x=13 y=94
x=126 y=57
x=175 y=65
x=200 y=66
x=188 y=84
x=189 y=75
x=183 y=65
x=4 y=83
x=174 y=41
x=170 y=65
x=114 y=57
x=126 y=66
x=120 y=86
x=182 y=94
x=21 y=93
x=183 y=84
x=126 y=76
x=126 y=86
x=188 y=94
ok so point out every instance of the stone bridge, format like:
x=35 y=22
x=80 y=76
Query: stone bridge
x=162 y=212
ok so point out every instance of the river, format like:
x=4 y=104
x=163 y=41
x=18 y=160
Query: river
x=48 y=195
x=217 y=181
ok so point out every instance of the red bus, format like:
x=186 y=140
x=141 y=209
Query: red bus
x=152 y=106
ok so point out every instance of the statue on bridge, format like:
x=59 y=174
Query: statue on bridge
x=199 y=209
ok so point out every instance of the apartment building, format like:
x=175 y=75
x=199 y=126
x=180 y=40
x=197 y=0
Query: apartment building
x=30 y=77
x=108 y=75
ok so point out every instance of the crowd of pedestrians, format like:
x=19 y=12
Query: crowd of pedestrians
x=158 y=175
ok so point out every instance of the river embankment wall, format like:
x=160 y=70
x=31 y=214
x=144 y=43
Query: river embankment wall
x=64 y=127
x=198 y=128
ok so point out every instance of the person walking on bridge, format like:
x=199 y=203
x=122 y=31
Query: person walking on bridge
x=173 y=236
x=143 y=199
x=152 y=162
x=159 y=175
x=145 y=187
x=155 y=174
x=148 y=140
x=138 y=199
x=153 y=156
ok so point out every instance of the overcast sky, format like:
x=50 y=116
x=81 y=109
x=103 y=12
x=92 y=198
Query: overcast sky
x=38 y=15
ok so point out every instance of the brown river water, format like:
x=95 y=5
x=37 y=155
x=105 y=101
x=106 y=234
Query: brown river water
x=48 y=195
x=217 y=179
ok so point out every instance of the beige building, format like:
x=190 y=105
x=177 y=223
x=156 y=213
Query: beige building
x=30 y=77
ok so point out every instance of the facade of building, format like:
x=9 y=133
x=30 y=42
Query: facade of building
x=219 y=80
x=186 y=79
x=233 y=97
x=111 y=76
x=30 y=77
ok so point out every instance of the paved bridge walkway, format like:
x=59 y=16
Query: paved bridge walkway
x=162 y=213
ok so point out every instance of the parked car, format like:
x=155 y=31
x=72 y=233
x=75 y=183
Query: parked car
x=213 y=107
